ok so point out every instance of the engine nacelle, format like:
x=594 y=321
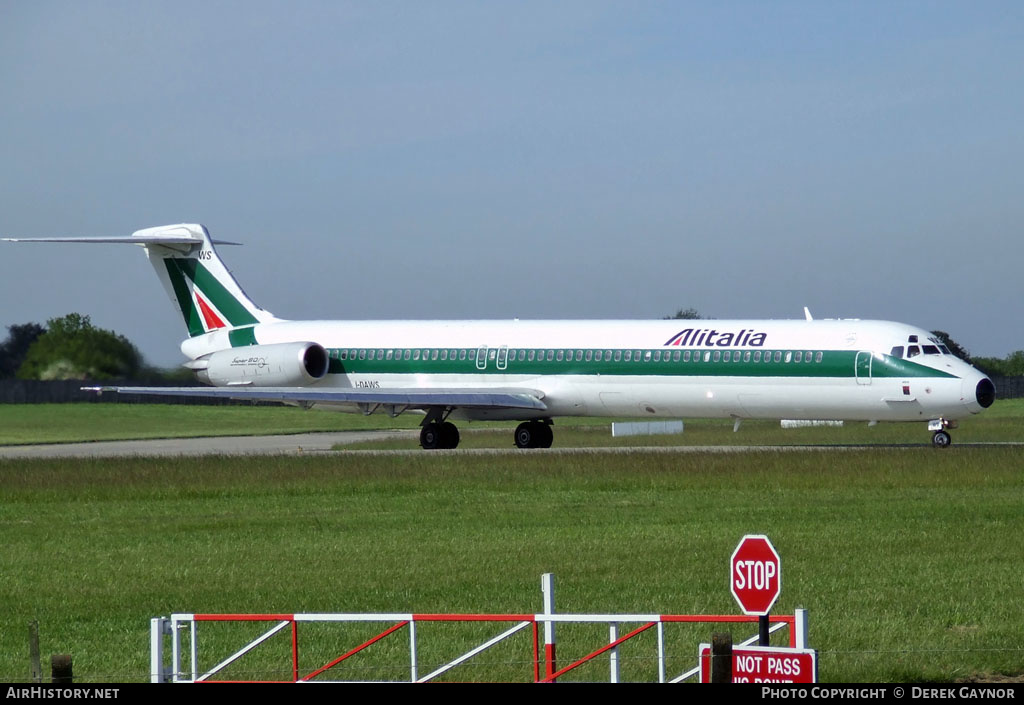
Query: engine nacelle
x=279 y=365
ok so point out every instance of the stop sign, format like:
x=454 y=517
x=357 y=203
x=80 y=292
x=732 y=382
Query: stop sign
x=755 y=576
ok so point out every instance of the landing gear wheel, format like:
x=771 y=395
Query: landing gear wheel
x=430 y=436
x=439 y=435
x=533 y=434
x=449 y=435
x=545 y=435
x=941 y=439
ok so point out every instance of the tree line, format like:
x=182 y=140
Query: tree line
x=72 y=348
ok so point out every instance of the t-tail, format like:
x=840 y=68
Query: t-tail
x=193 y=275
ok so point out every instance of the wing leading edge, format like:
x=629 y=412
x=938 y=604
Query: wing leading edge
x=405 y=398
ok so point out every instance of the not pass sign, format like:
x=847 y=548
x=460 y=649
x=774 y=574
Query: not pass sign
x=765 y=664
x=755 y=574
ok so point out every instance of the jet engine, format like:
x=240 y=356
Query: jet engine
x=278 y=365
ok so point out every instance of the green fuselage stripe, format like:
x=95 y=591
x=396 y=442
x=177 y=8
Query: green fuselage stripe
x=241 y=337
x=835 y=363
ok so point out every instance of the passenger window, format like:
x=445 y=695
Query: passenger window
x=597 y=355
x=789 y=356
x=686 y=355
x=416 y=354
x=579 y=355
x=718 y=355
x=472 y=354
x=590 y=355
x=727 y=356
x=462 y=353
x=362 y=354
x=628 y=356
x=647 y=356
x=492 y=354
x=707 y=356
x=676 y=355
x=807 y=356
x=817 y=356
x=798 y=356
x=657 y=355
x=444 y=354
x=778 y=356
x=560 y=355
x=757 y=356
x=618 y=355
x=551 y=355
x=746 y=356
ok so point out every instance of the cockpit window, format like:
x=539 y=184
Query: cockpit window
x=913 y=351
x=897 y=351
x=930 y=350
x=945 y=350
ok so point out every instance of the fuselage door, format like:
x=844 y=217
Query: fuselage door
x=481 y=358
x=502 y=361
x=862 y=367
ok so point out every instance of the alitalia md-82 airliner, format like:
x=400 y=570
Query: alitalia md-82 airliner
x=535 y=371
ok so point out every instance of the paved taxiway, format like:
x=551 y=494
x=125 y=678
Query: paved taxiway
x=299 y=444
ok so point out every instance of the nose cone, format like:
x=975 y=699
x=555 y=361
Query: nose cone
x=985 y=393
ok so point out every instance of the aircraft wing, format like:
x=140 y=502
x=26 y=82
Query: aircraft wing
x=367 y=399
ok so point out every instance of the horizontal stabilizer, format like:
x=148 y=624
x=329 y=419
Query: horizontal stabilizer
x=127 y=240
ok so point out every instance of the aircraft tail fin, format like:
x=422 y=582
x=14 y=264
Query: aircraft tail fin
x=198 y=282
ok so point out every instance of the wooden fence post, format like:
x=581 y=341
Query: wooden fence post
x=60 y=669
x=721 y=657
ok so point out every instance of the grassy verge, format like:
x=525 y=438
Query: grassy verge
x=906 y=559
x=67 y=423
x=1001 y=423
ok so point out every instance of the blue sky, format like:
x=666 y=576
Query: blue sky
x=530 y=159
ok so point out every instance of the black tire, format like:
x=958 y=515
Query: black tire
x=430 y=436
x=941 y=439
x=525 y=435
x=449 y=435
x=545 y=435
x=533 y=434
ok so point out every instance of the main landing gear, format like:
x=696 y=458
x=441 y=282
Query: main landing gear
x=443 y=434
x=437 y=435
x=534 y=434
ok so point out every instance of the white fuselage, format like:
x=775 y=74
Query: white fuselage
x=842 y=369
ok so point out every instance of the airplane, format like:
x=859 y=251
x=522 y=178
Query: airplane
x=536 y=371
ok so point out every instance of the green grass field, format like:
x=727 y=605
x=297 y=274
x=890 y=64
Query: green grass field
x=906 y=558
x=67 y=423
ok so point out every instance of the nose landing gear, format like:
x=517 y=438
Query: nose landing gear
x=941 y=437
